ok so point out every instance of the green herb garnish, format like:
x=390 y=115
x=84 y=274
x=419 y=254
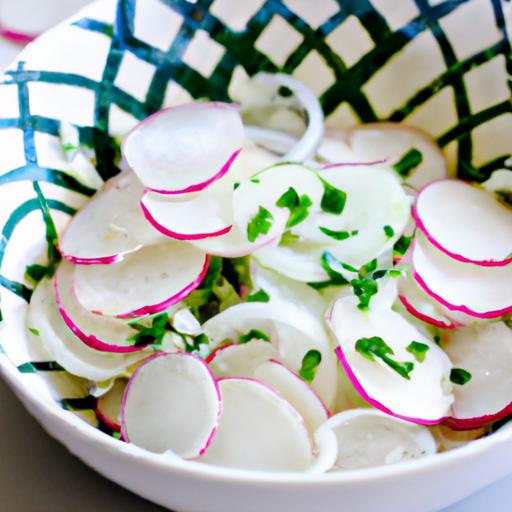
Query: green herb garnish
x=36 y=273
x=35 y=332
x=253 y=334
x=333 y=199
x=388 y=231
x=258 y=296
x=298 y=206
x=259 y=224
x=338 y=235
x=459 y=376
x=370 y=348
x=408 y=162
x=401 y=246
x=328 y=261
x=418 y=350
x=310 y=363
x=153 y=334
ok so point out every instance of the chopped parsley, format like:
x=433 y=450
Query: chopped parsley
x=388 y=231
x=310 y=363
x=418 y=350
x=255 y=180
x=298 y=206
x=401 y=246
x=153 y=334
x=35 y=332
x=333 y=199
x=259 y=224
x=459 y=376
x=193 y=343
x=408 y=162
x=259 y=296
x=328 y=261
x=373 y=347
x=253 y=334
x=338 y=235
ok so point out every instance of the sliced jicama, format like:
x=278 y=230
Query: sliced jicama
x=110 y=225
x=102 y=333
x=172 y=402
x=363 y=438
x=241 y=360
x=65 y=348
x=185 y=148
x=294 y=331
x=205 y=215
x=258 y=430
x=144 y=283
x=485 y=351
x=394 y=142
x=108 y=407
x=466 y=222
x=295 y=390
x=482 y=292
x=421 y=396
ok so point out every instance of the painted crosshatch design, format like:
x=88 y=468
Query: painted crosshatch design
x=444 y=66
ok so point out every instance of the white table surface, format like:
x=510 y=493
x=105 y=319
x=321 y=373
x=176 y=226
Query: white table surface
x=39 y=475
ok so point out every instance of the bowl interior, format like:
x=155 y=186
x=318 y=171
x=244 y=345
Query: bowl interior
x=443 y=66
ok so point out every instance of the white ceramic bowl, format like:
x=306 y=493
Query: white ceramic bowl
x=442 y=69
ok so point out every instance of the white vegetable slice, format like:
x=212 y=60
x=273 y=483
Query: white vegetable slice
x=207 y=214
x=102 y=333
x=485 y=351
x=392 y=141
x=465 y=222
x=251 y=160
x=258 y=430
x=482 y=292
x=295 y=390
x=500 y=181
x=363 y=438
x=100 y=233
x=423 y=398
x=241 y=360
x=185 y=148
x=108 y=407
x=144 y=283
x=172 y=402
x=67 y=350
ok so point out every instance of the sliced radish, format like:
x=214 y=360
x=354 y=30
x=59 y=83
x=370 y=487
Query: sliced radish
x=485 y=352
x=422 y=397
x=99 y=233
x=108 y=407
x=65 y=348
x=422 y=306
x=295 y=390
x=251 y=160
x=102 y=333
x=241 y=360
x=392 y=142
x=258 y=430
x=482 y=292
x=144 y=283
x=185 y=148
x=465 y=222
x=172 y=402
x=364 y=438
x=294 y=331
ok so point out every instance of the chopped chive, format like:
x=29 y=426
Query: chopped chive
x=459 y=376
x=338 y=235
x=310 y=363
x=35 y=332
x=388 y=231
x=408 y=162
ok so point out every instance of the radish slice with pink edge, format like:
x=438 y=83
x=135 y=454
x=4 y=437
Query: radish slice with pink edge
x=465 y=222
x=485 y=351
x=67 y=349
x=425 y=397
x=295 y=390
x=172 y=402
x=205 y=215
x=478 y=291
x=102 y=333
x=185 y=148
x=258 y=430
x=293 y=330
x=365 y=438
x=241 y=360
x=99 y=233
x=108 y=407
x=144 y=283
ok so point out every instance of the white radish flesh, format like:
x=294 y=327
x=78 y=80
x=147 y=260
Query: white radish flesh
x=258 y=430
x=185 y=148
x=101 y=233
x=364 y=438
x=485 y=351
x=423 y=398
x=478 y=291
x=172 y=402
x=466 y=222
x=499 y=182
x=295 y=390
x=108 y=407
x=144 y=283
x=65 y=348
